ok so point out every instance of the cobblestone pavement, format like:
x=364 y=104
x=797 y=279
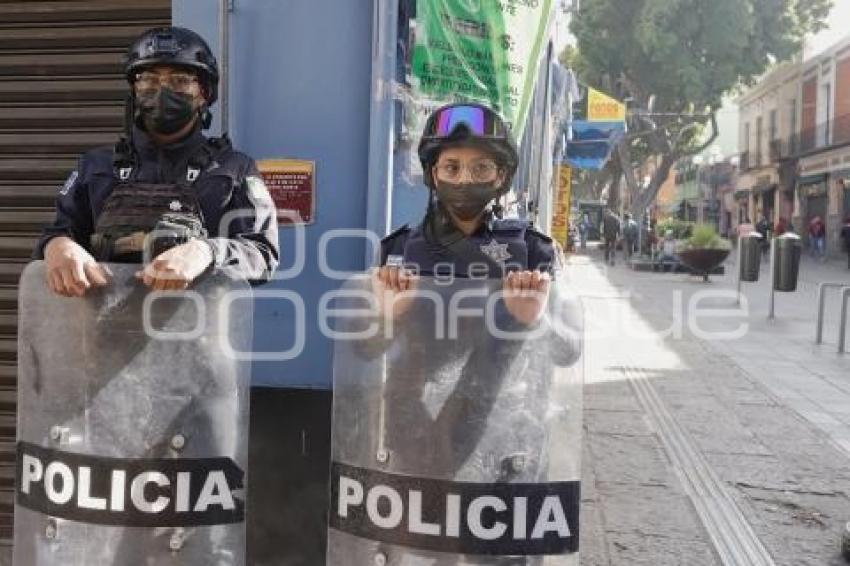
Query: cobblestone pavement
x=712 y=434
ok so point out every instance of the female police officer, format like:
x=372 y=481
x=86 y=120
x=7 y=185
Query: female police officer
x=165 y=191
x=469 y=159
x=468 y=409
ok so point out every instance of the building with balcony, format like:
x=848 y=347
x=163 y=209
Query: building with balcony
x=795 y=140
x=769 y=118
x=823 y=143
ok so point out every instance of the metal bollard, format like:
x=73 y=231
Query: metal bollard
x=842 y=329
x=822 y=288
x=772 y=309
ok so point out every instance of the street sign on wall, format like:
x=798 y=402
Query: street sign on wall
x=291 y=184
x=561 y=212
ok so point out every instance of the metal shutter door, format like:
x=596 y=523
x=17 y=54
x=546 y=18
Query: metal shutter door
x=61 y=93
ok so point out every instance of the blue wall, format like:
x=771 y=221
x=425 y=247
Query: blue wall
x=299 y=88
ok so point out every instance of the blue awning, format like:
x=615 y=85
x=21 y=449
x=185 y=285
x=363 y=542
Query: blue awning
x=591 y=143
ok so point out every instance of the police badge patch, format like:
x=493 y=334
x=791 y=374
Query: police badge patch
x=496 y=251
x=69 y=183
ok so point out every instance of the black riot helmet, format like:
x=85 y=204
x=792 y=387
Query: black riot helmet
x=464 y=124
x=175 y=46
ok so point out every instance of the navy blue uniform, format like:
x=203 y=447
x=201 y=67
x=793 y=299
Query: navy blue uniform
x=238 y=213
x=498 y=247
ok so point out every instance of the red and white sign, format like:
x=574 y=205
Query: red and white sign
x=292 y=186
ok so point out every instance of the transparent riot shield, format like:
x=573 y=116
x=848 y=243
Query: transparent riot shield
x=456 y=429
x=132 y=424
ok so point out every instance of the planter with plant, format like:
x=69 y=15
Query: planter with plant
x=704 y=251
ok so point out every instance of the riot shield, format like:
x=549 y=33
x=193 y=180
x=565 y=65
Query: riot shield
x=132 y=423
x=456 y=430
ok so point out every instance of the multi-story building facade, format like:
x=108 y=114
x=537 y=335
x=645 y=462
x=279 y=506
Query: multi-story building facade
x=704 y=193
x=823 y=184
x=769 y=118
x=795 y=140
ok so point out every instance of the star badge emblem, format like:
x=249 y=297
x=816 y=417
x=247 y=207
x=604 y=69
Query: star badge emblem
x=496 y=251
x=175 y=206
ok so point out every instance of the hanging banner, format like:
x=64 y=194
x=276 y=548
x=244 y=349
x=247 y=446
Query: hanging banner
x=603 y=108
x=291 y=184
x=561 y=213
x=480 y=50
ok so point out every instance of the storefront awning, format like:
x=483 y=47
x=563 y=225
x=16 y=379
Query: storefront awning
x=764 y=188
x=811 y=179
x=592 y=143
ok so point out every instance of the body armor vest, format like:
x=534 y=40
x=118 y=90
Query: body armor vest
x=139 y=221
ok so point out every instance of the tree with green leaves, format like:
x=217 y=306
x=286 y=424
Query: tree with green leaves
x=683 y=55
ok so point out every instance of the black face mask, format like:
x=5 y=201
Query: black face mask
x=465 y=200
x=164 y=111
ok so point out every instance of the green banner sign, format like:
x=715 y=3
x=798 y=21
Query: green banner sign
x=480 y=50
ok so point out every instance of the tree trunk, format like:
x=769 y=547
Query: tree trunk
x=647 y=197
x=625 y=160
x=614 y=191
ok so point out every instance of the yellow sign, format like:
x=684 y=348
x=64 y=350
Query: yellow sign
x=561 y=211
x=603 y=108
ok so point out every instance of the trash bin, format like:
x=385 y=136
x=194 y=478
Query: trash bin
x=750 y=260
x=786 y=264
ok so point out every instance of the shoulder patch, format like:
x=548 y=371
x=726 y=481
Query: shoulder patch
x=257 y=190
x=396 y=233
x=69 y=183
x=511 y=224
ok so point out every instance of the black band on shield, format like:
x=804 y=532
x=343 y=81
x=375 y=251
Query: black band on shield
x=508 y=519
x=163 y=492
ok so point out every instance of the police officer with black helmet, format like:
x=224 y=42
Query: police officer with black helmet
x=471 y=407
x=165 y=194
x=469 y=158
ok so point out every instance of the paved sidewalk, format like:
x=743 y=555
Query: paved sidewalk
x=701 y=450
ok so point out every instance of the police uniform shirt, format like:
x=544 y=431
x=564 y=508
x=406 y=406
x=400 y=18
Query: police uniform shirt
x=228 y=188
x=501 y=245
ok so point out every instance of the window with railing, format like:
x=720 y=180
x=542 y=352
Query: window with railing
x=831 y=133
x=793 y=121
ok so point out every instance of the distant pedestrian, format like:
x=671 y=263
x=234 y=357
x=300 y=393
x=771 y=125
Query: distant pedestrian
x=845 y=235
x=667 y=251
x=817 y=237
x=763 y=228
x=610 y=232
x=745 y=227
x=584 y=227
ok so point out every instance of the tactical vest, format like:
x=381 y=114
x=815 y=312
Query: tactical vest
x=490 y=255
x=139 y=221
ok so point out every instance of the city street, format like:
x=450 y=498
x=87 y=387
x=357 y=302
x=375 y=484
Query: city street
x=711 y=437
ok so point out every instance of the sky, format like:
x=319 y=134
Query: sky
x=839 y=28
